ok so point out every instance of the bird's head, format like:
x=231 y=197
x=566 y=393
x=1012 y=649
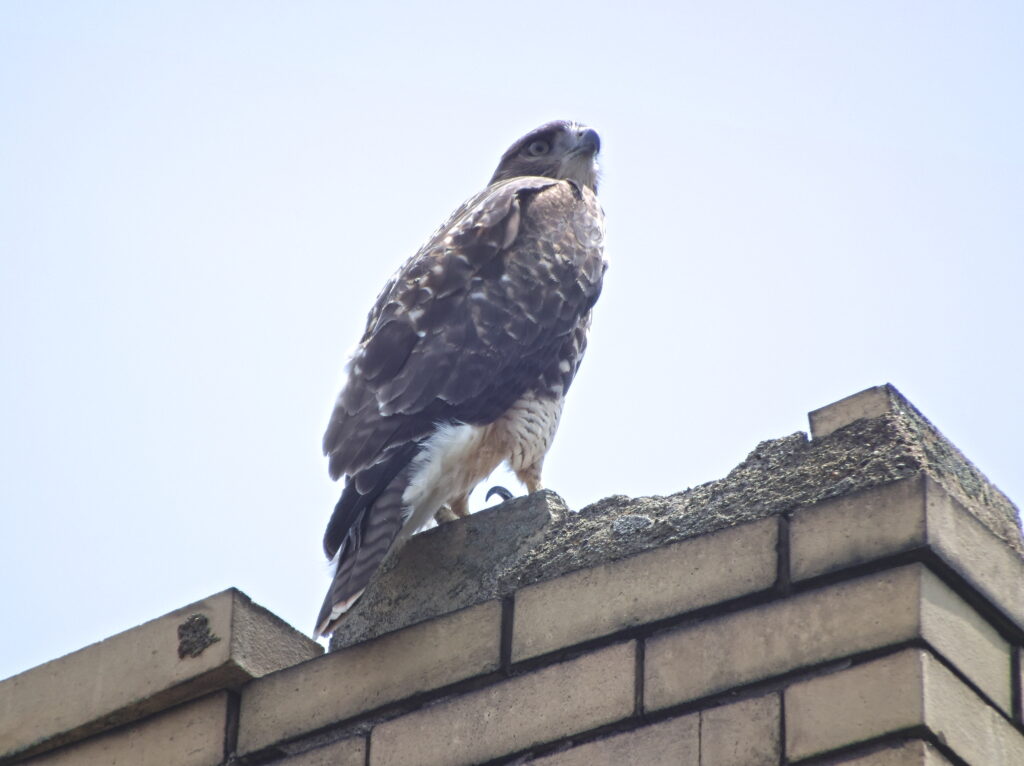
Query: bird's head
x=559 y=149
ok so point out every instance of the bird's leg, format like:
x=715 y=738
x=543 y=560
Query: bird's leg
x=460 y=507
x=444 y=514
x=530 y=476
x=456 y=509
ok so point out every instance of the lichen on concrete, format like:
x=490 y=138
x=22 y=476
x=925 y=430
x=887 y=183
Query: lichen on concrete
x=778 y=476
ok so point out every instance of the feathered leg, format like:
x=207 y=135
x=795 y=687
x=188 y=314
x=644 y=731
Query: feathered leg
x=530 y=476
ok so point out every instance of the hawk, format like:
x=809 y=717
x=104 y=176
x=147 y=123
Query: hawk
x=467 y=355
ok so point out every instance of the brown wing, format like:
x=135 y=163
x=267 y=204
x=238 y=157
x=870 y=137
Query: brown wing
x=490 y=305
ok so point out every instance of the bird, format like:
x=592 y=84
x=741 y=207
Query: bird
x=467 y=355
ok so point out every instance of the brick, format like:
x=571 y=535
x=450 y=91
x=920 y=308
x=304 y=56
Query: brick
x=855 y=705
x=363 y=677
x=914 y=752
x=675 y=742
x=901 y=516
x=972 y=729
x=969 y=547
x=189 y=735
x=840 y=620
x=649 y=586
x=870 y=403
x=347 y=752
x=904 y=690
x=848 y=530
x=906 y=515
x=744 y=733
x=960 y=634
x=553 y=702
x=138 y=672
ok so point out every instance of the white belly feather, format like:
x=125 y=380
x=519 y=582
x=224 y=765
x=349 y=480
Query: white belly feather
x=459 y=456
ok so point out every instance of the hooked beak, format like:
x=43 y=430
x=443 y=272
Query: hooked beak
x=587 y=141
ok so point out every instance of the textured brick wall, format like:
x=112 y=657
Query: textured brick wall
x=880 y=626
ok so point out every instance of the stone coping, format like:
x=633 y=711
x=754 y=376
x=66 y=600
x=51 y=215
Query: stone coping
x=217 y=643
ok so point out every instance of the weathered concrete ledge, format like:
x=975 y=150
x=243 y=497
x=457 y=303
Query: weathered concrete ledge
x=872 y=438
x=218 y=643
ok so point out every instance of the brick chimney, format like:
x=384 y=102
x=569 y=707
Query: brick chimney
x=853 y=597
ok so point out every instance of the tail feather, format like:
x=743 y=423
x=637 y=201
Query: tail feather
x=363 y=549
x=360 y=493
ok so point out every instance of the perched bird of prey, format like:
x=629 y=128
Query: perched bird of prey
x=467 y=355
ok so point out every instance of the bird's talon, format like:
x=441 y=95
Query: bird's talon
x=500 y=491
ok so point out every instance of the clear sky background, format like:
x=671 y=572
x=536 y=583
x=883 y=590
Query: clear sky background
x=200 y=201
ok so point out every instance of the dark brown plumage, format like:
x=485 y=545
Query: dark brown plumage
x=467 y=355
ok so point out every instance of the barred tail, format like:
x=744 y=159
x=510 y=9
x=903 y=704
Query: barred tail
x=362 y=532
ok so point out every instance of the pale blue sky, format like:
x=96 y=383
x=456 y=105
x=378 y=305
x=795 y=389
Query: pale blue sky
x=199 y=202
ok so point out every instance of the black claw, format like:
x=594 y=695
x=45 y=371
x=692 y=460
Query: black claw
x=500 y=491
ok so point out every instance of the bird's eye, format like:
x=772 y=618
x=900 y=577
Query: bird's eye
x=538 y=148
